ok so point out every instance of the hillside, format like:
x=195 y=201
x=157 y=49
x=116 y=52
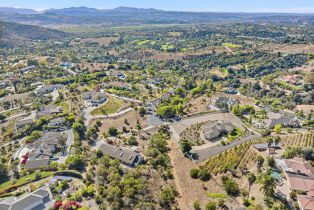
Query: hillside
x=132 y=16
x=11 y=10
x=14 y=34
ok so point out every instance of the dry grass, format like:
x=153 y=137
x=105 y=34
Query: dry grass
x=290 y=49
x=103 y=41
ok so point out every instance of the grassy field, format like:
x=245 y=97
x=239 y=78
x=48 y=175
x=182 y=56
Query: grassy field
x=231 y=45
x=112 y=106
x=65 y=106
x=24 y=180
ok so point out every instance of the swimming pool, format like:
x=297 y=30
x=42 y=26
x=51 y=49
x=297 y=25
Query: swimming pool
x=276 y=175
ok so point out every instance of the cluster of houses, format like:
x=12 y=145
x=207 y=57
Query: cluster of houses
x=42 y=150
x=281 y=118
x=300 y=178
x=48 y=111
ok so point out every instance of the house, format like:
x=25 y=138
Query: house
x=38 y=199
x=42 y=150
x=23 y=123
x=306 y=202
x=125 y=155
x=283 y=118
x=57 y=123
x=215 y=129
x=224 y=103
x=42 y=90
x=37 y=163
x=49 y=110
x=66 y=64
x=94 y=97
x=264 y=147
x=299 y=173
x=27 y=69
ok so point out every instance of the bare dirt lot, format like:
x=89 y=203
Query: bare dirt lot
x=306 y=68
x=290 y=49
x=200 y=104
x=305 y=108
x=119 y=123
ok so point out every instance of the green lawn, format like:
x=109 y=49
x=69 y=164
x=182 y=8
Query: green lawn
x=231 y=45
x=112 y=106
x=24 y=180
x=64 y=105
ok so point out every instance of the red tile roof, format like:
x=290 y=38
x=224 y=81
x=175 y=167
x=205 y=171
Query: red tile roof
x=306 y=202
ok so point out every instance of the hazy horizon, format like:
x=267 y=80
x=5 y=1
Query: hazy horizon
x=247 y=6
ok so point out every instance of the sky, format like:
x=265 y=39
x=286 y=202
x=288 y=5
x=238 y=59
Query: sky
x=285 y=6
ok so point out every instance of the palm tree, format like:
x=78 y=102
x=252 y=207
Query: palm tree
x=251 y=178
x=277 y=140
x=269 y=142
x=267 y=183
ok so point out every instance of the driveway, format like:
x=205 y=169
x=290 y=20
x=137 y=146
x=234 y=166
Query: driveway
x=69 y=142
x=205 y=152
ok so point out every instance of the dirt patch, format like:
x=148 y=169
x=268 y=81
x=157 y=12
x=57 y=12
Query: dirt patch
x=289 y=49
x=309 y=67
x=119 y=123
x=307 y=109
x=93 y=66
x=199 y=104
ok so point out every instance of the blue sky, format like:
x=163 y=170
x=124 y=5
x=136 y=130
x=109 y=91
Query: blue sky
x=303 y=6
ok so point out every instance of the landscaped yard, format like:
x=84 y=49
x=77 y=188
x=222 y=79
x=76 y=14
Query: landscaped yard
x=24 y=180
x=112 y=106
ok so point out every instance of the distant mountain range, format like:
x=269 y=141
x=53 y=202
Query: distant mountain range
x=15 y=34
x=133 y=16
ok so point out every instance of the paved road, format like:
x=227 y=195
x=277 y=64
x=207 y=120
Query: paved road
x=154 y=120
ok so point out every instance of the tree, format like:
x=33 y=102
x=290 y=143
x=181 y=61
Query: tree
x=185 y=146
x=113 y=131
x=230 y=186
x=267 y=183
x=2 y=117
x=269 y=143
x=251 y=178
x=3 y=173
x=271 y=162
x=75 y=162
x=166 y=111
x=204 y=174
x=78 y=127
x=167 y=196
x=260 y=162
x=278 y=129
x=211 y=206
x=194 y=173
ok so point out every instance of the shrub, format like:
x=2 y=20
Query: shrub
x=194 y=173
x=204 y=174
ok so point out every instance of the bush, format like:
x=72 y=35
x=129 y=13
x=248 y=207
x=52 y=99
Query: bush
x=204 y=174
x=113 y=131
x=211 y=206
x=194 y=173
